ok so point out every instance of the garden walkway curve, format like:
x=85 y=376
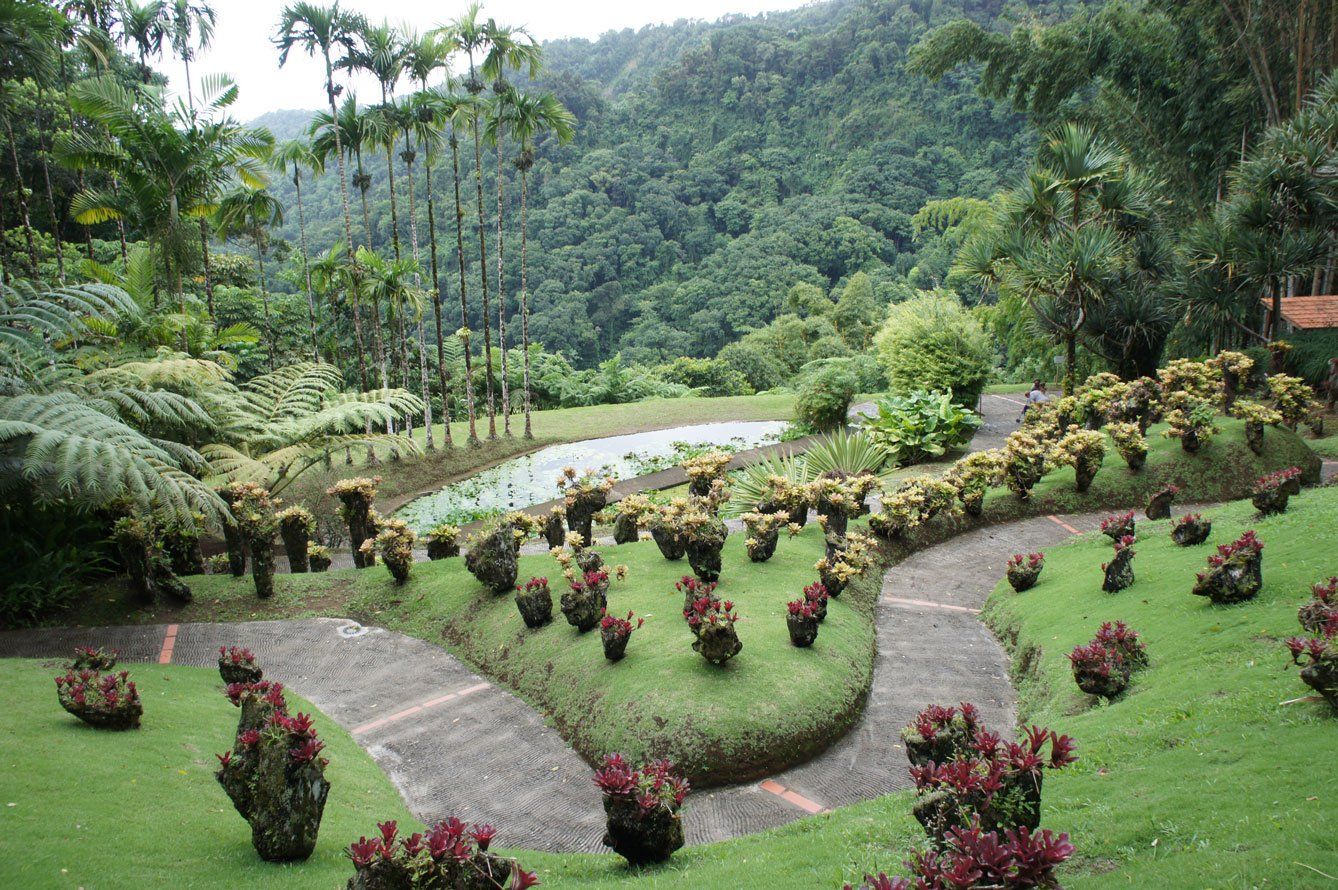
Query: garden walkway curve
x=455 y=744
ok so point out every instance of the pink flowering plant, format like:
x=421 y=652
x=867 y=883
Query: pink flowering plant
x=614 y=633
x=1024 y=570
x=1099 y=669
x=712 y=622
x=1118 y=526
x=238 y=665
x=801 y=619
x=1272 y=492
x=105 y=701
x=975 y=859
x=94 y=659
x=642 y=808
x=939 y=734
x=1124 y=640
x=816 y=596
x=534 y=600
x=1317 y=655
x=450 y=853
x=1235 y=571
x=1322 y=609
x=1119 y=572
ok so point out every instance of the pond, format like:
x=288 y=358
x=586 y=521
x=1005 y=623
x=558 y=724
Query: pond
x=532 y=478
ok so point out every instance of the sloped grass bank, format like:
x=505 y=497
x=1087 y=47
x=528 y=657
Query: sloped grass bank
x=1198 y=775
x=86 y=808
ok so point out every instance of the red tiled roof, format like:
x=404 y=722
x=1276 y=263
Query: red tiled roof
x=1309 y=313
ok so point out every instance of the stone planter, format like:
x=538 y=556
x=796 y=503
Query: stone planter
x=124 y=716
x=1115 y=531
x=262 y=567
x=1159 y=505
x=1195 y=531
x=625 y=529
x=889 y=529
x=615 y=643
x=1190 y=441
x=819 y=605
x=554 y=532
x=973 y=503
x=318 y=562
x=232 y=672
x=717 y=643
x=232 y=538
x=1023 y=577
x=1016 y=804
x=1322 y=676
x=1135 y=459
x=442 y=549
x=638 y=837
x=581 y=514
x=492 y=560
x=837 y=522
x=1254 y=436
x=536 y=606
x=1107 y=683
x=672 y=546
x=803 y=631
x=762 y=547
x=1237 y=579
x=830 y=581
x=1271 y=501
x=1084 y=471
x=582 y=608
x=1119 y=571
x=295 y=540
x=704 y=557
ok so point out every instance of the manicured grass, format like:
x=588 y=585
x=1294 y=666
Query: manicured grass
x=1198 y=776
x=771 y=706
x=88 y=808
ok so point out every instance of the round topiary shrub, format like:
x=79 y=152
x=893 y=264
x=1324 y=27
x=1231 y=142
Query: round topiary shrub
x=823 y=401
x=931 y=342
x=1130 y=443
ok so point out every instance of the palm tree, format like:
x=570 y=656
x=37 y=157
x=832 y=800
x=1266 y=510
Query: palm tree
x=530 y=116
x=291 y=158
x=428 y=54
x=457 y=107
x=406 y=119
x=352 y=129
x=331 y=275
x=509 y=49
x=144 y=25
x=252 y=212
x=327 y=30
x=190 y=28
x=381 y=52
x=470 y=36
x=169 y=165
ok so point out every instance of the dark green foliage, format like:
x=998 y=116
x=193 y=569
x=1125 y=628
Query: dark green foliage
x=706 y=376
x=824 y=397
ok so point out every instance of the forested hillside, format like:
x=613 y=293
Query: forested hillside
x=717 y=166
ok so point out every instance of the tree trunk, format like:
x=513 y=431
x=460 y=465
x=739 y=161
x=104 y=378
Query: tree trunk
x=483 y=278
x=524 y=308
x=464 y=302
x=443 y=376
x=501 y=297
x=23 y=196
x=264 y=299
x=422 y=351
x=306 y=264
x=57 y=229
x=348 y=219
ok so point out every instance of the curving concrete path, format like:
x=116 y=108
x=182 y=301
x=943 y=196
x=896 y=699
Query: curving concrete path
x=455 y=744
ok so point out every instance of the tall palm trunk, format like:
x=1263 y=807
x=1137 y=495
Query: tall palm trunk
x=306 y=265
x=524 y=308
x=24 y=216
x=378 y=344
x=501 y=297
x=57 y=228
x=464 y=299
x=443 y=374
x=264 y=301
x=483 y=276
x=413 y=243
x=348 y=219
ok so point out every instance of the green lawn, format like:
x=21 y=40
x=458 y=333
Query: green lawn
x=86 y=808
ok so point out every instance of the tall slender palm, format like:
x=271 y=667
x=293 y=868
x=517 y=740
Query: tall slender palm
x=144 y=25
x=190 y=28
x=251 y=213
x=470 y=36
x=532 y=115
x=328 y=31
x=459 y=109
x=290 y=159
x=381 y=52
x=406 y=120
x=509 y=49
x=427 y=54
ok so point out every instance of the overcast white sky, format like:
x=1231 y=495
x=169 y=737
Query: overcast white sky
x=242 y=45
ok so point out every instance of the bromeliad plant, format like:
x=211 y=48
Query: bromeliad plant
x=1023 y=571
x=941 y=734
x=451 y=853
x=846 y=564
x=801 y=619
x=614 y=632
x=1120 y=525
x=295 y=527
x=694 y=589
x=973 y=476
x=1183 y=376
x=583 y=496
x=666 y=528
x=443 y=542
x=1190 y=419
x=704 y=469
x=712 y=622
x=1322 y=609
x=394 y=542
x=1191 y=529
x=642 y=808
x=763 y=531
x=1083 y=450
x=139 y=543
x=492 y=557
x=1235 y=571
x=1317 y=655
x=586 y=598
x=974 y=859
x=633 y=514
x=704 y=534
x=1024 y=457
x=1272 y=492
x=535 y=602
x=1100 y=670
x=840 y=498
x=1124 y=640
x=996 y=782
x=1256 y=417
x=254 y=511
x=102 y=700
x=274 y=773
x=237 y=664
x=816 y=596
x=88 y=658
x=1130 y=443
x=1120 y=570
x=355 y=499
x=318 y=557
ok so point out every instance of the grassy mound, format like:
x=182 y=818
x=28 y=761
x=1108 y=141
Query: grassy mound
x=85 y=808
